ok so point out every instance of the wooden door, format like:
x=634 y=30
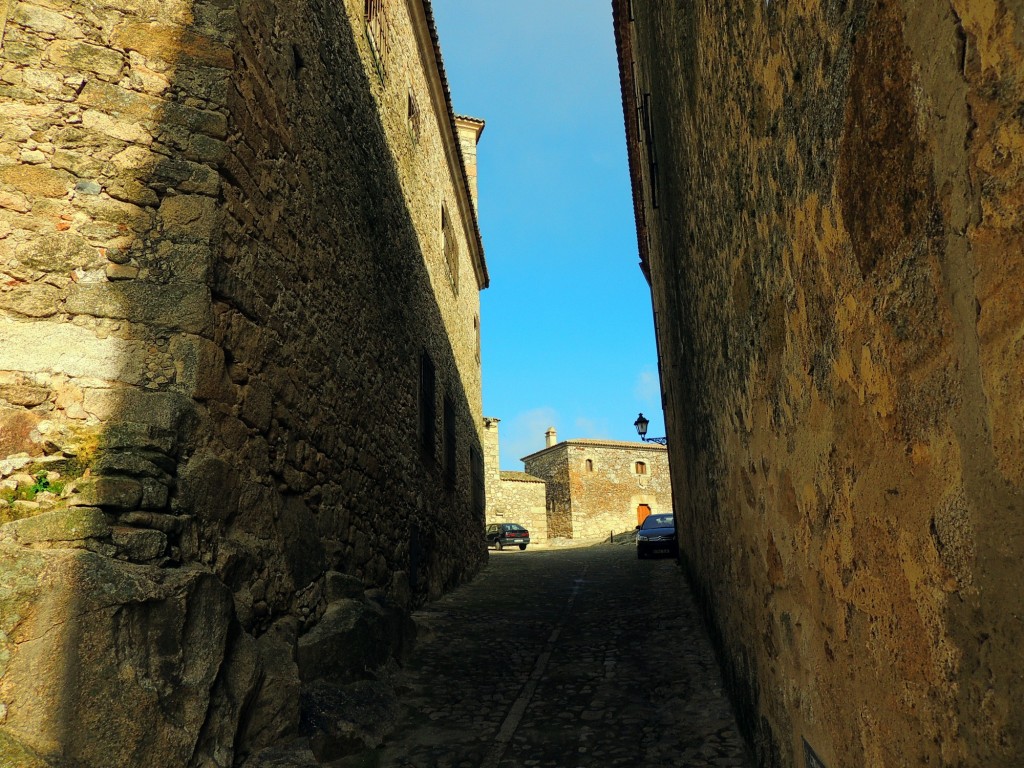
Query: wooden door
x=642 y=512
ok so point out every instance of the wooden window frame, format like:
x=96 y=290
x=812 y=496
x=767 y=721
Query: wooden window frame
x=450 y=247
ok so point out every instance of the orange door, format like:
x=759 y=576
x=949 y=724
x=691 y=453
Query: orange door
x=641 y=513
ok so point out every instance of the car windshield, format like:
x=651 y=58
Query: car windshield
x=658 y=521
x=513 y=527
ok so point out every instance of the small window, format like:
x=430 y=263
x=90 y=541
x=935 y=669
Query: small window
x=414 y=117
x=641 y=468
x=590 y=465
x=428 y=407
x=451 y=248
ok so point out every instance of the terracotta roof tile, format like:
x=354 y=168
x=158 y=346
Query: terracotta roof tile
x=519 y=477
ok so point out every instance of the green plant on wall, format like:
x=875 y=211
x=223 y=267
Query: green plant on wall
x=29 y=492
x=43 y=484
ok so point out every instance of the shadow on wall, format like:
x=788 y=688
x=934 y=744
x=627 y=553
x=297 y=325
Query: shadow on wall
x=211 y=443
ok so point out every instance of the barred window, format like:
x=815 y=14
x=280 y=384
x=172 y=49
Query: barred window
x=376 y=34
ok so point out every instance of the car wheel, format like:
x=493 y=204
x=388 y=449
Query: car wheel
x=522 y=546
x=499 y=545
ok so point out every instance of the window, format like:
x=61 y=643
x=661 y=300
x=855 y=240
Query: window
x=476 y=329
x=590 y=465
x=428 y=408
x=641 y=468
x=476 y=469
x=652 y=152
x=449 y=444
x=451 y=249
x=376 y=35
x=414 y=117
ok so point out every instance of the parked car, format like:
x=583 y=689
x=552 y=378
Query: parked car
x=503 y=535
x=656 y=535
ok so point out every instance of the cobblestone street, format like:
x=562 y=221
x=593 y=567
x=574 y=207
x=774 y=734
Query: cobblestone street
x=565 y=658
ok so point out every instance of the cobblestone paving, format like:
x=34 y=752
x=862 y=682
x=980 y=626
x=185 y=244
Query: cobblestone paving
x=566 y=658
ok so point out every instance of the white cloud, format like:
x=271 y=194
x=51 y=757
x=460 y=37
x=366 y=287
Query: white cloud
x=523 y=434
x=647 y=388
x=593 y=429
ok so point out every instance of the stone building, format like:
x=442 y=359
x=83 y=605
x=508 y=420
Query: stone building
x=240 y=407
x=596 y=487
x=828 y=203
x=512 y=497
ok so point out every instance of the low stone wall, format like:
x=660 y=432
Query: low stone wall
x=518 y=498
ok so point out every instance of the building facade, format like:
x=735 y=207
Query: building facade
x=828 y=204
x=595 y=488
x=240 y=393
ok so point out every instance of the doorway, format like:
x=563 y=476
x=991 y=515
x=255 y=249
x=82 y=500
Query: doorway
x=642 y=511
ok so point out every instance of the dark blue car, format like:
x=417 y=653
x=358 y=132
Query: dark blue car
x=656 y=535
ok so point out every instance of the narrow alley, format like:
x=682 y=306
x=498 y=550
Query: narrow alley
x=567 y=658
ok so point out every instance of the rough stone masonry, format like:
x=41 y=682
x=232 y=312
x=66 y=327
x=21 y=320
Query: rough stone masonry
x=239 y=375
x=829 y=201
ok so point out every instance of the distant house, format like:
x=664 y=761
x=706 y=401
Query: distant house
x=578 y=489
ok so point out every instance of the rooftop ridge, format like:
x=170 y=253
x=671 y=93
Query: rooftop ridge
x=606 y=443
x=520 y=477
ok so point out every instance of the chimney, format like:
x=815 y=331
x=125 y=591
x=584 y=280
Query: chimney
x=550 y=437
x=470 y=129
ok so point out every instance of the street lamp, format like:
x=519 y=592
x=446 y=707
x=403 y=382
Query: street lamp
x=641 y=429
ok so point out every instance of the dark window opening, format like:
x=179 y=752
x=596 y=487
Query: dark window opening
x=449 y=444
x=428 y=408
x=590 y=465
x=476 y=469
x=451 y=249
x=414 y=117
x=652 y=152
x=476 y=329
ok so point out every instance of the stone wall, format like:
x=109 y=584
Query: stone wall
x=828 y=199
x=551 y=467
x=239 y=382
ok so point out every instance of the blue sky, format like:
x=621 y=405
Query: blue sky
x=567 y=330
